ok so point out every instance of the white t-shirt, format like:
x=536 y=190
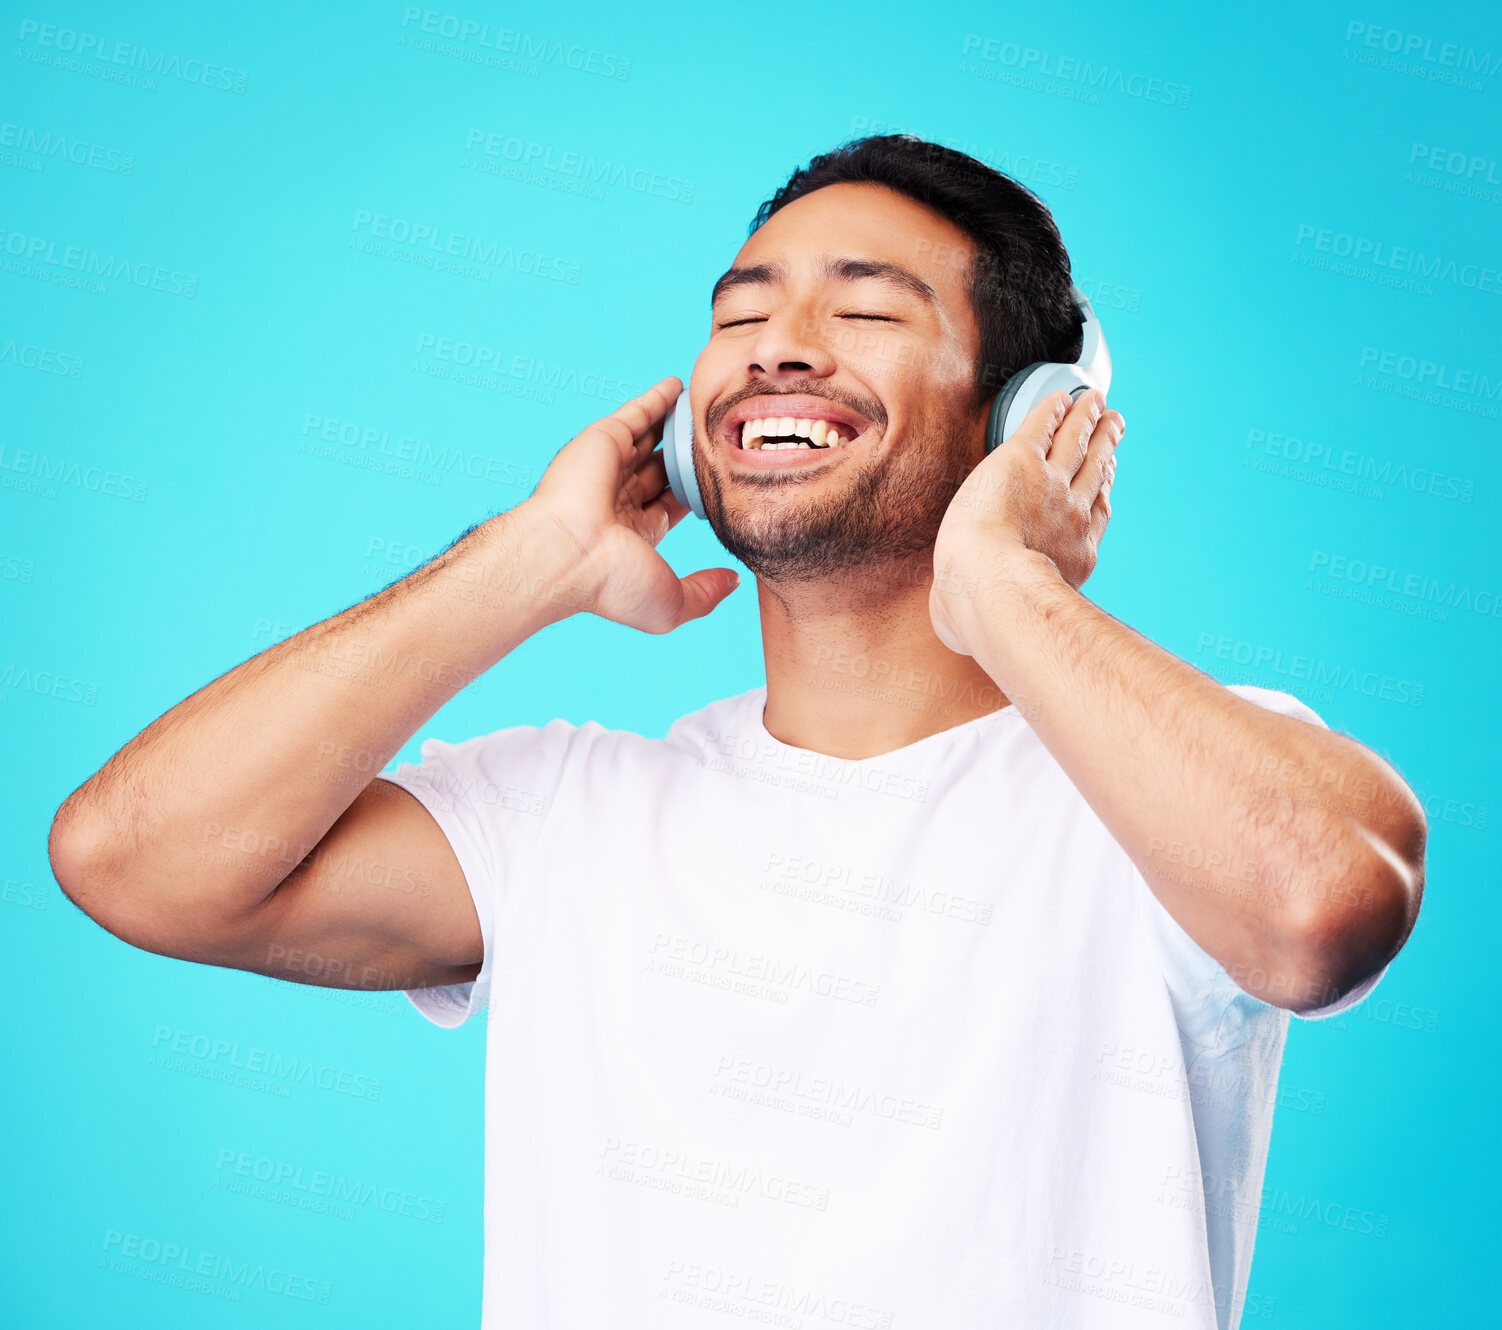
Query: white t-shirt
x=899 y=1042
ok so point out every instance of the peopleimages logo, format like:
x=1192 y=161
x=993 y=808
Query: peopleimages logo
x=435 y=245
x=359 y=437
x=762 y=759
x=464 y=361
x=76 y=265
x=80 y=46
x=1469 y=392
x=1324 y=463
x=42 y=359
x=41 y=474
x=1416 y=53
x=1324 y=675
x=1446 y=161
x=228 y=1056
x=769 y=976
x=1465 y=176
x=184 y=1266
x=686 y=1173
x=513 y=42
x=239 y=1170
x=41 y=145
x=494 y=147
x=1378 y=254
x=46 y=683
x=1069 y=70
x=1420 y=587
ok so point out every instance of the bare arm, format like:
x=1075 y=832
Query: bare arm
x=1298 y=898
x=245 y=827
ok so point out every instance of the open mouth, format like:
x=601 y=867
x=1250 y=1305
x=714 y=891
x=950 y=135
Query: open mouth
x=777 y=432
x=801 y=423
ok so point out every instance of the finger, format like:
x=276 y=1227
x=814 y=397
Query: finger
x=1071 y=441
x=639 y=421
x=662 y=514
x=648 y=480
x=658 y=427
x=1107 y=434
x=1037 y=429
x=1100 y=510
x=658 y=401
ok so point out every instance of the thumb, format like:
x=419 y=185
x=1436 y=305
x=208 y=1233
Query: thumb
x=704 y=590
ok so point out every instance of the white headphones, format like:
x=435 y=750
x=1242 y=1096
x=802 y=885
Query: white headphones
x=1018 y=395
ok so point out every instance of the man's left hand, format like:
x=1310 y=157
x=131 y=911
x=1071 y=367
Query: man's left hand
x=1045 y=491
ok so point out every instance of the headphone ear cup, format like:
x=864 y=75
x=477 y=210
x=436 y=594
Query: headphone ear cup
x=678 y=454
x=1026 y=389
x=1031 y=384
x=1023 y=391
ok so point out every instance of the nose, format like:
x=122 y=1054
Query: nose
x=790 y=344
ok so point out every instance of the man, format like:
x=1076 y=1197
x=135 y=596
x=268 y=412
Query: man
x=944 y=980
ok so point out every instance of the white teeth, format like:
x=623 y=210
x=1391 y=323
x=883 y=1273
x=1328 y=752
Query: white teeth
x=820 y=433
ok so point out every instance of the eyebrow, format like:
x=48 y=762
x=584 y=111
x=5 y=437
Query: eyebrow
x=842 y=270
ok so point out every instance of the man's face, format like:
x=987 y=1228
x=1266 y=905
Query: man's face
x=849 y=306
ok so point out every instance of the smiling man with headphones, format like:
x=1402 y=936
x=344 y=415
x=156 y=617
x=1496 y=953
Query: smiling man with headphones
x=943 y=981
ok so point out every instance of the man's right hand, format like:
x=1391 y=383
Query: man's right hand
x=238 y=827
x=606 y=493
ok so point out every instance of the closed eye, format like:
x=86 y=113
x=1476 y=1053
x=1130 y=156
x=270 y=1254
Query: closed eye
x=882 y=318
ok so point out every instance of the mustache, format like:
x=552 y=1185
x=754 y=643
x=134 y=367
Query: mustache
x=868 y=407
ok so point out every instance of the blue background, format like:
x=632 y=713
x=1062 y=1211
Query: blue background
x=1195 y=226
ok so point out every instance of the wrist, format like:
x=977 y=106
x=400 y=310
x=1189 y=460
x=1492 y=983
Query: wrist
x=1014 y=566
x=1006 y=569
x=523 y=559
x=993 y=591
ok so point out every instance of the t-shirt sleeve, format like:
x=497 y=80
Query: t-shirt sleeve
x=1198 y=984
x=491 y=796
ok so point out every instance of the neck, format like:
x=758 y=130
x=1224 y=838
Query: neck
x=854 y=669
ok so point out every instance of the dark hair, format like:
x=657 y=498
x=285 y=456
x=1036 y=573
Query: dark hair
x=1020 y=278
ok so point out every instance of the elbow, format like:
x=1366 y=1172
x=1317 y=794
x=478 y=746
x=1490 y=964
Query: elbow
x=1348 y=932
x=78 y=850
x=84 y=853
x=144 y=899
